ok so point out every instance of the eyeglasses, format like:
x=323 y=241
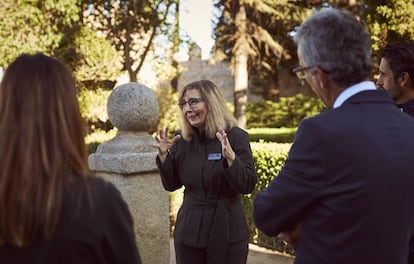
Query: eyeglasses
x=300 y=71
x=192 y=102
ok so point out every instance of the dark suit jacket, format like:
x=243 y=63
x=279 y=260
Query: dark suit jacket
x=349 y=179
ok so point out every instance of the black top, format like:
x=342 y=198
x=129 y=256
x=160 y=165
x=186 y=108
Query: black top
x=96 y=230
x=211 y=215
x=407 y=107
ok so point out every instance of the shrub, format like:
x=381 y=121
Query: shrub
x=287 y=112
x=99 y=136
x=93 y=107
x=279 y=135
x=269 y=159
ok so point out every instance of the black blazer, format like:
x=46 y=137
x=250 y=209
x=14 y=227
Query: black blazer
x=211 y=215
x=349 y=179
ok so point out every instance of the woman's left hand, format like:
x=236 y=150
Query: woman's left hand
x=227 y=150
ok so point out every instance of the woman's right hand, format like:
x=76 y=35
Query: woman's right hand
x=164 y=144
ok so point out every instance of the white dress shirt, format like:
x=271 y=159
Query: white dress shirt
x=354 y=89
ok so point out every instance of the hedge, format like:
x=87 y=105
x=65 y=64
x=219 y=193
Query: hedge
x=278 y=135
x=286 y=112
x=269 y=159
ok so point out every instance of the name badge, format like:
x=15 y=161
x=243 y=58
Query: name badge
x=214 y=156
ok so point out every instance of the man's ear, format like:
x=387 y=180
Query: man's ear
x=323 y=78
x=404 y=79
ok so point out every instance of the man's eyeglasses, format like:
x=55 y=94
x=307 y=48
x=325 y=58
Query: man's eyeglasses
x=192 y=102
x=301 y=71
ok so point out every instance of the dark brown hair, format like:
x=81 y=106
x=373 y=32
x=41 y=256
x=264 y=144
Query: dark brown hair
x=400 y=57
x=41 y=146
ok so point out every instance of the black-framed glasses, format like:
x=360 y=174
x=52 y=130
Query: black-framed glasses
x=192 y=102
x=301 y=71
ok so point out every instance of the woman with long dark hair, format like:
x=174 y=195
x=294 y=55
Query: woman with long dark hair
x=51 y=209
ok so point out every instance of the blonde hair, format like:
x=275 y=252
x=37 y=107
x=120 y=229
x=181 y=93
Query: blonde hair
x=42 y=146
x=218 y=112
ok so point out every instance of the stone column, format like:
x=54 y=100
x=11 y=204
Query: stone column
x=128 y=161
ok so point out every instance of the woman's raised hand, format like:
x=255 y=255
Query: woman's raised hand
x=227 y=150
x=164 y=143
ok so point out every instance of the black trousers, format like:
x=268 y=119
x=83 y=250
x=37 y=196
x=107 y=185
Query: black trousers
x=237 y=254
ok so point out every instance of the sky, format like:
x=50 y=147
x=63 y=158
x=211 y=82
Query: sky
x=195 y=20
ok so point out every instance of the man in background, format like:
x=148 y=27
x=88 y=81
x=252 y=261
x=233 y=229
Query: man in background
x=396 y=74
x=397 y=78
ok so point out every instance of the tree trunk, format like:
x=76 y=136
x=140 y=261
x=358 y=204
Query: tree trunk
x=127 y=53
x=240 y=71
x=240 y=89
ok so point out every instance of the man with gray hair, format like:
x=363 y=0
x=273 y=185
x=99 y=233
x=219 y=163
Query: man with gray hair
x=345 y=192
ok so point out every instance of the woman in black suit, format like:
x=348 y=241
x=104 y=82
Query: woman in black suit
x=211 y=157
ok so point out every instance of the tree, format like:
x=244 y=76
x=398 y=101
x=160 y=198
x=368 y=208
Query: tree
x=131 y=26
x=388 y=21
x=98 y=61
x=247 y=36
x=275 y=22
x=33 y=26
x=231 y=30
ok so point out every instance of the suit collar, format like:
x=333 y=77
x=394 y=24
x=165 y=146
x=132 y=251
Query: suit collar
x=352 y=90
x=378 y=96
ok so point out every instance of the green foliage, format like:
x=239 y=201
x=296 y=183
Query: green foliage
x=31 y=26
x=287 y=112
x=266 y=40
x=389 y=21
x=131 y=27
x=168 y=109
x=269 y=159
x=279 y=135
x=93 y=107
x=97 y=137
x=98 y=60
x=176 y=199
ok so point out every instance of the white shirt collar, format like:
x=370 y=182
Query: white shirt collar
x=354 y=89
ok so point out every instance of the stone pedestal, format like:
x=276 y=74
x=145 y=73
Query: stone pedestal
x=128 y=161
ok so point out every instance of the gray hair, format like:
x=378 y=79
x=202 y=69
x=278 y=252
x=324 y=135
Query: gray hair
x=336 y=42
